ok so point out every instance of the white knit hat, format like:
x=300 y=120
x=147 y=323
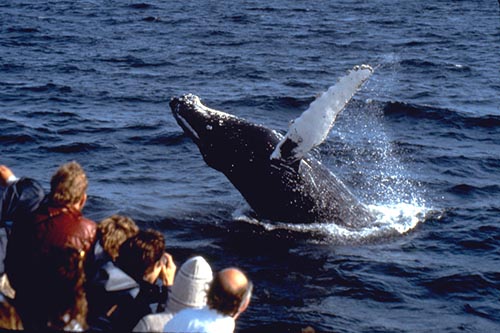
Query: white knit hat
x=190 y=285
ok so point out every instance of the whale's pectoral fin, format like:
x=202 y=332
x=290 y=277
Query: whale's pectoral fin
x=314 y=124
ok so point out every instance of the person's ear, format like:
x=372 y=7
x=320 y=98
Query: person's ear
x=243 y=306
x=245 y=301
x=82 y=202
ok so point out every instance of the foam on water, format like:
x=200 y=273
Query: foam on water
x=392 y=220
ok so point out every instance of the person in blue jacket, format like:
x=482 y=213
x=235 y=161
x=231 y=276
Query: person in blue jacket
x=19 y=197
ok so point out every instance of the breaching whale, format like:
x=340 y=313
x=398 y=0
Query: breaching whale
x=274 y=173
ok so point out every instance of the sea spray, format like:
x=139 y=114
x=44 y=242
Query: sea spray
x=392 y=220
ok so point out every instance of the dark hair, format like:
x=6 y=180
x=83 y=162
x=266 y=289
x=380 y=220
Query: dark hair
x=139 y=254
x=114 y=231
x=63 y=280
x=224 y=299
x=68 y=184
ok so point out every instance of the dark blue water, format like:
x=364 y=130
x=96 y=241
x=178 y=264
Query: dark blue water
x=91 y=81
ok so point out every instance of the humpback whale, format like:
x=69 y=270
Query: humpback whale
x=274 y=173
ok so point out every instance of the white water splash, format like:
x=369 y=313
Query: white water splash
x=391 y=220
x=396 y=203
x=313 y=126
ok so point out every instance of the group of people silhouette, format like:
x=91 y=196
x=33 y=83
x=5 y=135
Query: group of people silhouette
x=62 y=271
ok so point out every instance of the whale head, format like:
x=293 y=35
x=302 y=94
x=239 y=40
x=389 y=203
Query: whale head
x=223 y=139
x=198 y=121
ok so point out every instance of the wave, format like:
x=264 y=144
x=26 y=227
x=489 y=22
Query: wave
x=165 y=139
x=271 y=102
x=14 y=132
x=17 y=138
x=52 y=114
x=282 y=9
x=462 y=283
x=27 y=30
x=140 y=5
x=151 y=19
x=475 y=191
x=446 y=116
x=134 y=62
x=75 y=147
x=239 y=18
x=49 y=87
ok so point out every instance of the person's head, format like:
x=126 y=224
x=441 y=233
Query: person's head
x=190 y=286
x=68 y=186
x=115 y=230
x=230 y=292
x=140 y=256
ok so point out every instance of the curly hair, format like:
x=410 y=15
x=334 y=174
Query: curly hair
x=114 y=231
x=68 y=184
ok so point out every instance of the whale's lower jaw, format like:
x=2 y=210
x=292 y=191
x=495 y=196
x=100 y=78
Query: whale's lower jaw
x=195 y=118
x=186 y=112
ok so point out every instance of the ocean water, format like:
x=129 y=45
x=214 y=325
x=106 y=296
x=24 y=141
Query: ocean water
x=419 y=143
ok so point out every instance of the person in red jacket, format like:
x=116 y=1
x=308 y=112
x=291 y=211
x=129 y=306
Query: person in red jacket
x=58 y=222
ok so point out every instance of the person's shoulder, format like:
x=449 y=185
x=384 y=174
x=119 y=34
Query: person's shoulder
x=153 y=322
x=188 y=313
x=117 y=280
x=200 y=320
x=89 y=227
x=86 y=221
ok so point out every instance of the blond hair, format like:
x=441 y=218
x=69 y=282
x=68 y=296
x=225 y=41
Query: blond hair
x=68 y=185
x=115 y=230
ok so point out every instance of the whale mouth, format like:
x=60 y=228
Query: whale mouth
x=196 y=119
x=184 y=111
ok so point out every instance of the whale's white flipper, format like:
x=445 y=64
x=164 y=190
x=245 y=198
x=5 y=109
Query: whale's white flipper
x=314 y=124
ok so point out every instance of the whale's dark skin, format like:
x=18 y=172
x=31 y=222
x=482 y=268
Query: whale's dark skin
x=303 y=192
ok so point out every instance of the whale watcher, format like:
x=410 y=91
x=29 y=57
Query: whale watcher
x=132 y=291
x=40 y=224
x=228 y=297
x=188 y=291
x=62 y=281
x=112 y=232
x=19 y=198
x=61 y=287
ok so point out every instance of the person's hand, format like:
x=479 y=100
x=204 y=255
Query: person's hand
x=5 y=174
x=168 y=270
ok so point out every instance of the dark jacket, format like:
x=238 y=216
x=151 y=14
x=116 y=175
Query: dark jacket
x=117 y=302
x=18 y=201
x=48 y=227
x=63 y=227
